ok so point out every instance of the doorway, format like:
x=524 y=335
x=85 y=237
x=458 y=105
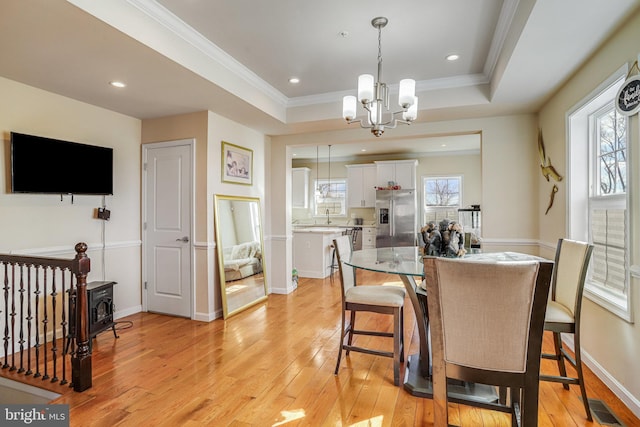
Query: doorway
x=167 y=212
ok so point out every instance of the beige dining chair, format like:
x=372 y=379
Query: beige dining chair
x=486 y=327
x=564 y=309
x=369 y=298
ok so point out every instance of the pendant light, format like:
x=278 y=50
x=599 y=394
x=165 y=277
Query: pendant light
x=373 y=94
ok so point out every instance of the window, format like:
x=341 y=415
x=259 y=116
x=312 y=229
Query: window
x=442 y=197
x=610 y=152
x=599 y=186
x=330 y=197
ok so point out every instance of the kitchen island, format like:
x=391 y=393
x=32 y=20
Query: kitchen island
x=312 y=250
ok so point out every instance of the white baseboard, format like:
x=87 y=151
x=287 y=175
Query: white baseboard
x=118 y=314
x=282 y=290
x=207 y=317
x=614 y=385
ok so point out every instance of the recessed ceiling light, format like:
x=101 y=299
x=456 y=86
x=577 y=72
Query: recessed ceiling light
x=363 y=150
x=117 y=83
x=443 y=145
x=294 y=80
x=453 y=57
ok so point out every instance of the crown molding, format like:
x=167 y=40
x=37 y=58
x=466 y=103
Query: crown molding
x=421 y=86
x=505 y=19
x=175 y=25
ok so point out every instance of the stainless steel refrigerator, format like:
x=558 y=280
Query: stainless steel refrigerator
x=396 y=217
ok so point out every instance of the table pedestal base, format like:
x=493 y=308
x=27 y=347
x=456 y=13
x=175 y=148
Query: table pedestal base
x=458 y=391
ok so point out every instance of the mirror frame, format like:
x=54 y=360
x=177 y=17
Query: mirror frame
x=219 y=248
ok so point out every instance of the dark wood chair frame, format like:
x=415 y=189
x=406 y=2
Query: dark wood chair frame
x=523 y=386
x=349 y=330
x=571 y=328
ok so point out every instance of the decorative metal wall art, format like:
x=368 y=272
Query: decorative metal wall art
x=547 y=169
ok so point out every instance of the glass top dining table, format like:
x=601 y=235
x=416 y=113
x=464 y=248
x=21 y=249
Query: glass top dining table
x=407 y=262
x=396 y=260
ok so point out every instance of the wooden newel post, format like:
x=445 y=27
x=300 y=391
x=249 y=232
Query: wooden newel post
x=81 y=359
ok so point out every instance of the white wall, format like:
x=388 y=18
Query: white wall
x=611 y=344
x=44 y=225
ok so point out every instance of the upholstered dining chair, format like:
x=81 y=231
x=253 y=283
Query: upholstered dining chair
x=563 y=311
x=486 y=327
x=368 y=298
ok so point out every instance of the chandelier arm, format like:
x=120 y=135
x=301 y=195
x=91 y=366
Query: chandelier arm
x=360 y=122
x=399 y=112
x=391 y=124
x=363 y=126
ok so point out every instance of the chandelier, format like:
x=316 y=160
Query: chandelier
x=375 y=94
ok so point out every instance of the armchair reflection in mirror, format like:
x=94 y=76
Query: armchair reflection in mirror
x=240 y=252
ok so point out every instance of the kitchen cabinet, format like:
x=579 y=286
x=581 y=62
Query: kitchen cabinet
x=300 y=187
x=368 y=237
x=361 y=191
x=401 y=172
x=313 y=250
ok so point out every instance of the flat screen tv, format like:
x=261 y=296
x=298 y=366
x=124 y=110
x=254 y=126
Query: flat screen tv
x=46 y=165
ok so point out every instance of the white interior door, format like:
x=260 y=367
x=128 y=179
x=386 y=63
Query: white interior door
x=168 y=188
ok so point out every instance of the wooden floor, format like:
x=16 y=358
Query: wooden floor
x=273 y=365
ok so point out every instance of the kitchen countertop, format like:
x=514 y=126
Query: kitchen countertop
x=297 y=227
x=319 y=229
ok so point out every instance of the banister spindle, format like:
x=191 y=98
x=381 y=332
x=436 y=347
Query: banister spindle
x=12 y=314
x=54 y=342
x=21 y=319
x=6 y=316
x=45 y=322
x=63 y=324
x=29 y=320
x=37 y=322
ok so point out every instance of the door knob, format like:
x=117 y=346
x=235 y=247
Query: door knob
x=185 y=239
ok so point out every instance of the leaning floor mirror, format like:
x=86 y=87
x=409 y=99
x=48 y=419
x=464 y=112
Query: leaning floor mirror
x=240 y=252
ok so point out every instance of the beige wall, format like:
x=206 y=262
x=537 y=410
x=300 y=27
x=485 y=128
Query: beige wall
x=612 y=345
x=514 y=195
x=469 y=166
x=192 y=126
x=509 y=169
x=222 y=129
x=509 y=184
x=42 y=224
x=209 y=130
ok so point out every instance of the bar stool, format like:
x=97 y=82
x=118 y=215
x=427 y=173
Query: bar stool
x=334 y=265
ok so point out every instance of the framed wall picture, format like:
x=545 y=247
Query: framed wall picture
x=237 y=164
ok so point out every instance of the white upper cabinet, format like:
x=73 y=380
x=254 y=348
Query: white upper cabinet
x=300 y=187
x=361 y=181
x=401 y=172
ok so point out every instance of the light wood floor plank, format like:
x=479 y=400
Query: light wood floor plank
x=273 y=365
